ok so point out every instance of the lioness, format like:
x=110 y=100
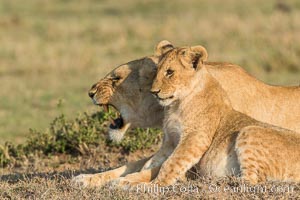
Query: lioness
x=199 y=119
x=127 y=89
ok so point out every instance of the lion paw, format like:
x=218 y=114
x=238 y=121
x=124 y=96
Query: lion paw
x=124 y=183
x=87 y=180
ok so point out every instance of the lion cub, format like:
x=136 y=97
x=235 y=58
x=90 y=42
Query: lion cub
x=202 y=129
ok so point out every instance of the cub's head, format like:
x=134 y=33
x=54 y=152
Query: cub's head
x=127 y=89
x=175 y=70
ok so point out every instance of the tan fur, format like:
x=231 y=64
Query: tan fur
x=275 y=105
x=210 y=132
x=139 y=108
x=126 y=88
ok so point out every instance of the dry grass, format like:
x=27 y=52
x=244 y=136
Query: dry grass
x=49 y=180
x=56 y=186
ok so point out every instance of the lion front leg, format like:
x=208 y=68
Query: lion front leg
x=100 y=179
x=150 y=169
x=185 y=156
x=132 y=180
x=161 y=155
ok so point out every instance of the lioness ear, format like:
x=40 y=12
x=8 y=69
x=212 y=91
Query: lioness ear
x=194 y=56
x=146 y=74
x=162 y=47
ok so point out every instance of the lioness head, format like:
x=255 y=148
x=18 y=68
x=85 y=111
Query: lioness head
x=175 y=70
x=127 y=89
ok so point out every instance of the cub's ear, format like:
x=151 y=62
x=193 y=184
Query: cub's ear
x=200 y=50
x=194 y=56
x=162 y=47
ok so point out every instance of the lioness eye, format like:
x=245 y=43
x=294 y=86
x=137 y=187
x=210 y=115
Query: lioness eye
x=170 y=72
x=116 y=78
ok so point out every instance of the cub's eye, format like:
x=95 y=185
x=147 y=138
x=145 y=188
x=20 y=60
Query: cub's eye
x=169 y=72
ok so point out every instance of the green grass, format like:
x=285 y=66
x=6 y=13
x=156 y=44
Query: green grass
x=76 y=137
x=53 y=51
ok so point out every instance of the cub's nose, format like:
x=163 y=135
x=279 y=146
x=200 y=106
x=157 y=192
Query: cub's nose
x=155 y=91
x=93 y=91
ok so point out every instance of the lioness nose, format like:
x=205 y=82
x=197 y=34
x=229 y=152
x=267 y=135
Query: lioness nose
x=155 y=91
x=93 y=91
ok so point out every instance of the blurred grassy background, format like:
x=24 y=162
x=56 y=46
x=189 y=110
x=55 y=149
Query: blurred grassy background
x=51 y=52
